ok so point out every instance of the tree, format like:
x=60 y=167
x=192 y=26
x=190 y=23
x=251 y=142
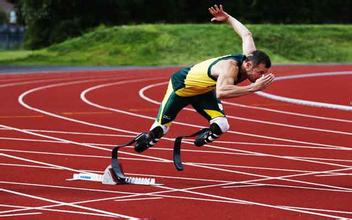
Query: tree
x=52 y=21
x=3 y=17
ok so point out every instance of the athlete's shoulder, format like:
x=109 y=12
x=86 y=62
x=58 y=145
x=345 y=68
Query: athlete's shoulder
x=238 y=57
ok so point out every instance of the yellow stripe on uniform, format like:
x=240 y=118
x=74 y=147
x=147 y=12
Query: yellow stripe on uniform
x=163 y=103
x=213 y=113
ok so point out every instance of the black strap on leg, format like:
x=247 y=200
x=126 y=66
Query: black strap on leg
x=115 y=165
x=177 y=149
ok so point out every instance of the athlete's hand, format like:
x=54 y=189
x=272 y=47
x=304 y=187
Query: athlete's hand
x=263 y=82
x=219 y=14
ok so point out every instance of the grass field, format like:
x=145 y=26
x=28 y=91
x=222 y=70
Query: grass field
x=166 y=44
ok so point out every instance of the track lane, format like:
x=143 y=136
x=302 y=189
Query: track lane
x=264 y=211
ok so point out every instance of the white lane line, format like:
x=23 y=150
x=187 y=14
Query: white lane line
x=20 y=214
x=124 y=82
x=154 y=148
x=52 y=210
x=142 y=95
x=238 y=184
x=24 y=104
x=106 y=127
x=251 y=185
x=336 y=174
x=169 y=190
x=85 y=155
x=59 y=205
x=226 y=152
x=81 y=133
x=112 y=214
x=77 y=120
x=131 y=136
x=28 y=166
x=304 y=102
x=31 y=140
x=62 y=168
x=323 y=210
x=68 y=188
x=185 y=150
x=296 y=114
x=31 y=80
x=74 y=170
x=190 y=179
x=255 y=203
x=78 y=143
x=129 y=195
x=212 y=168
x=307 y=102
x=278 y=145
x=263 y=177
x=270 y=109
x=138 y=199
x=161 y=194
x=137 y=159
x=212 y=195
x=84 y=94
x=39 y=162
x=46 y=81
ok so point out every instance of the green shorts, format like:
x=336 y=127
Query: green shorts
x=206 y=104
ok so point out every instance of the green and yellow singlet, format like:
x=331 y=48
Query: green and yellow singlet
x=197 y=79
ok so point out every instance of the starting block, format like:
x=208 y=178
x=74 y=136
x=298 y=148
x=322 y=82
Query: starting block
x=109 y=178
x=113 y=174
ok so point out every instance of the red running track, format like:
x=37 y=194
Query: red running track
x=279 y=160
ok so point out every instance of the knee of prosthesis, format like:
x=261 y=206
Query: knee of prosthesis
x=146 y=140
x=219 y=125
x=164 y=128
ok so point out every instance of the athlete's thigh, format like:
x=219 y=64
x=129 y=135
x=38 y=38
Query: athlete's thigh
x=171 y=105
x=208 y=105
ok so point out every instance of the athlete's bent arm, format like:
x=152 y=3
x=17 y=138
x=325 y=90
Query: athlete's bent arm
x=225 y=87
x=219 y=14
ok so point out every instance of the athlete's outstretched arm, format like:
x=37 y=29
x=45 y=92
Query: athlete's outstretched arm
x=220 y=15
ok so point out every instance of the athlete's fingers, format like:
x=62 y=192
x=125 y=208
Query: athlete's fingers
x=211 y=10
x=216 y=8
x=270 y=76
x=269 y=81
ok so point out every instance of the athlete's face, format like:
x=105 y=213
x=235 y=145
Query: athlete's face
x=255 y=72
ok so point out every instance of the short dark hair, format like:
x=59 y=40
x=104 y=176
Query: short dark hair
x=258 y=57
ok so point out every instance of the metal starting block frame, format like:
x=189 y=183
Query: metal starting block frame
x=109 y=179
x=113 y=174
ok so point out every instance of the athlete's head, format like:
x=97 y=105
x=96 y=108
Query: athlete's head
x=256 y=64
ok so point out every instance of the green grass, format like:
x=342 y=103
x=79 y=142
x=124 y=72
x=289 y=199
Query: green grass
x=166 y=44
x=10 y=55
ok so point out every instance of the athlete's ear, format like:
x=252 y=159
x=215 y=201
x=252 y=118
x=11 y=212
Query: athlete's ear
x=248 y=64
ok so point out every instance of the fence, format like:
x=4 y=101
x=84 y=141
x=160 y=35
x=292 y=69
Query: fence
x=11 y=36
